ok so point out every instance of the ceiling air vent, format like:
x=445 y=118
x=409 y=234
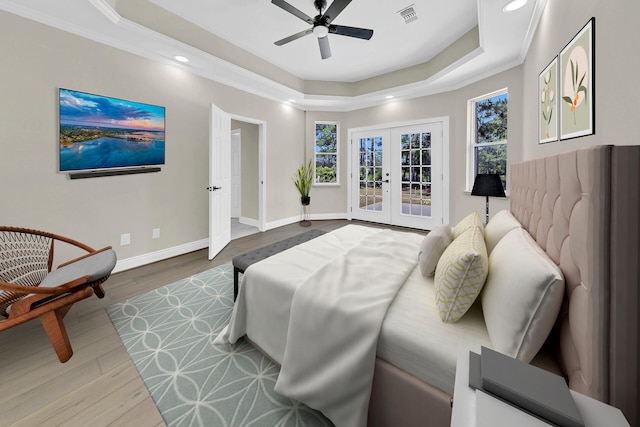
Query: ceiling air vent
x=408 y=14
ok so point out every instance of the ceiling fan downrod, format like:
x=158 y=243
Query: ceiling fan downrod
x=320 y=5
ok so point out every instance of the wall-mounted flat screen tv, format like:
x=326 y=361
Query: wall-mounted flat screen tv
x=103 y=133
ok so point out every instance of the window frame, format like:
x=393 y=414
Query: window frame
x=315 y=153
x=471 y=169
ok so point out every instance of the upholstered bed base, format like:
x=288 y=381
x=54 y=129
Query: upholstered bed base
x=583 y=209
x=400 y=399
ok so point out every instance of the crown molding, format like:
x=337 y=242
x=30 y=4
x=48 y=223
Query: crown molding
x=149 y=43
x=106 y=9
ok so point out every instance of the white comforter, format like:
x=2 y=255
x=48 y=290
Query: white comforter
x=332 y=320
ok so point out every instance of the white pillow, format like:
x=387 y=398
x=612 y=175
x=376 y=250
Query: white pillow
x=460 y=274
x=501 y=223
x=522 y=296
x=432 y=247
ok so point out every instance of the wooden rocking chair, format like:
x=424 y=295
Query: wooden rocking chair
x=30 y=289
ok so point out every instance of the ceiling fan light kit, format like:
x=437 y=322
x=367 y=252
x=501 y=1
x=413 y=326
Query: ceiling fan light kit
x=513 y=5
x=321 y=24
x=320 y=31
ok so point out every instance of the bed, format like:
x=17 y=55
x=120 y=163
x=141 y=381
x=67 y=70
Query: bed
x=565 y=202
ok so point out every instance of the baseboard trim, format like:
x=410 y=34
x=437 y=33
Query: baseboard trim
x=320 y=217
x=298 y=218
x=144 y=259
x=281 y=222
x=249 y=221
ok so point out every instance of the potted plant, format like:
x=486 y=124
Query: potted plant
x=303 y=180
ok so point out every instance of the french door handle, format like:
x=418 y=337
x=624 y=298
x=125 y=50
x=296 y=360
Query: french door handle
x=386 y=180
x=214 y=188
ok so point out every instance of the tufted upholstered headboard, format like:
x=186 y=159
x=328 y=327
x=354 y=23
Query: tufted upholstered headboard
x=583 y=209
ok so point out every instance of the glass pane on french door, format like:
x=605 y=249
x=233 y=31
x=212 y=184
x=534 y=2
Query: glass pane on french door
x=371 y=176
x=397 y=175
x=416 y=167
x=415 y=160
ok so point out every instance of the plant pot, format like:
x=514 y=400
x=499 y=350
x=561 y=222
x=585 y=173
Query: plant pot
x=305 y=200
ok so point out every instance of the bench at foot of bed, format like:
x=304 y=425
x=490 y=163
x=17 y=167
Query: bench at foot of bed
x=242 y=262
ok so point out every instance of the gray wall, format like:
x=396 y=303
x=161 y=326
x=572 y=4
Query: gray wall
x=250 y=163
x=616 y=70
x=451 y=104
x=36 y=60
x=328 y=199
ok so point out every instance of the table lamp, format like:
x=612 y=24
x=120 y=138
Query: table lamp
x=488 y=184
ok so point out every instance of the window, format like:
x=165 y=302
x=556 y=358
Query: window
x=488 y=136
x=326 y=153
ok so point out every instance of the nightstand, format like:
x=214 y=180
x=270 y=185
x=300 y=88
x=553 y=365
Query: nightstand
x=474 y=408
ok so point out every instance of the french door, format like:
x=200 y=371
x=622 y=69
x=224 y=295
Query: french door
x=397 y=175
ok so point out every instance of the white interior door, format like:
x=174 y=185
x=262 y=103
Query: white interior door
x=371 y=176
x=219 y=181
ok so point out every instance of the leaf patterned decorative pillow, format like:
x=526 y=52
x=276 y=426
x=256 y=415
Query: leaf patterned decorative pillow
x=460 y=274
x=469 y=221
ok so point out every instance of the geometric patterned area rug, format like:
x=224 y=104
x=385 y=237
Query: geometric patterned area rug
x=169 y=334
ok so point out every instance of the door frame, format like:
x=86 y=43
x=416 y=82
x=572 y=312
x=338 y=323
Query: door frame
x=446 y=172
x=236 y=179
x=262 y=165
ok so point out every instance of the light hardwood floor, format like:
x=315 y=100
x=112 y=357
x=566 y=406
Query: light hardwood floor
x=99 y=385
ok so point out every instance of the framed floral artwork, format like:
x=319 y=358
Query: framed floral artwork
x=576 y=78
x=548 y=103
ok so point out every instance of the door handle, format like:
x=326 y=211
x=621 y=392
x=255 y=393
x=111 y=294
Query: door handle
x=386 y=180
x=214 y=188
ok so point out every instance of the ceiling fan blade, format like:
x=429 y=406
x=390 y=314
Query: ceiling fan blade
x=334 y=10
x=360 y=33
x=293 y=37
x=292 y=10
x=325 y=49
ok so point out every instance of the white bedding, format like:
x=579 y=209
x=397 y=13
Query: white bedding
x=412 y=337
x=272 y=282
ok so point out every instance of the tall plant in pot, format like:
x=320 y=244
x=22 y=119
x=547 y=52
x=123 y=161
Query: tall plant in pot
x=303 y=180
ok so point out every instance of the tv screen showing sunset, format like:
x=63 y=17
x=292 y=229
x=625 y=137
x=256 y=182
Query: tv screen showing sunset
x=99 y=132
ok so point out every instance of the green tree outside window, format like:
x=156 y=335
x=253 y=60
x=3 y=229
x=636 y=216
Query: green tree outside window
x=489 y=136
x=326 y=153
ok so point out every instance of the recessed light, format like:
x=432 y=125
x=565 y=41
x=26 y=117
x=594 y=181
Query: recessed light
x=514 y=5
x=181 y=58
x=389 y=96
x=292 y=100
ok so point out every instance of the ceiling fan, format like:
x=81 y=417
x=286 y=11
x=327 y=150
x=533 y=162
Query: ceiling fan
x=321 y=24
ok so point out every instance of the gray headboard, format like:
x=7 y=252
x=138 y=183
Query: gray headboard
x=583 y=209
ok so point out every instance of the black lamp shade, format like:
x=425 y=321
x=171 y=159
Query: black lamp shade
x=488 y=184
